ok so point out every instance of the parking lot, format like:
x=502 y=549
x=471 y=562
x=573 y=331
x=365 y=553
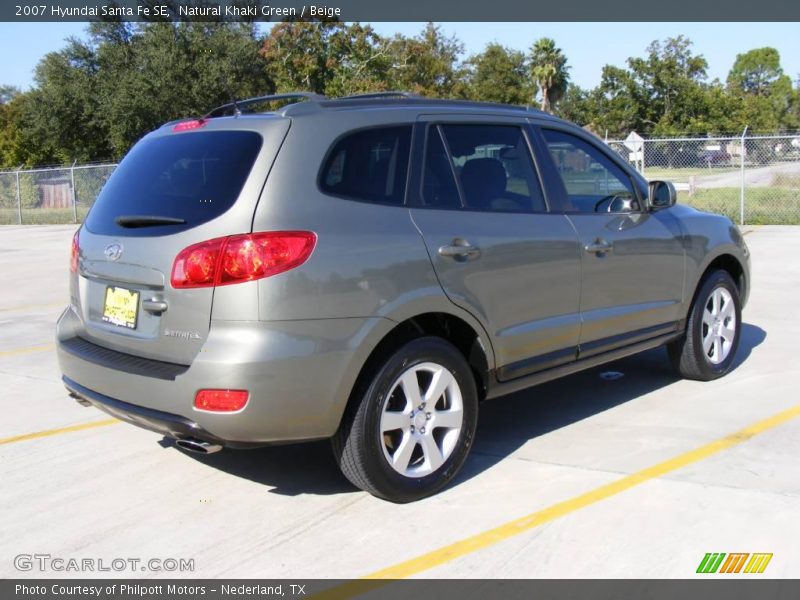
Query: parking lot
x=638 y=475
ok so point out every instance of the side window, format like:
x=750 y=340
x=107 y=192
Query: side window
x=369 y=165
x=439 y=189
x=593 y=182
x=494 y=167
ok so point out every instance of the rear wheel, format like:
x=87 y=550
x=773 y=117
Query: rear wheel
x=410 y=429
x=708 y=348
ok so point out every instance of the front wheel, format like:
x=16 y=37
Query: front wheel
x=708 y=348
x=408 y=433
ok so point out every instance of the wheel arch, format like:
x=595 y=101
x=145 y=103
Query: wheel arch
x=464 y=332
x=725 y=261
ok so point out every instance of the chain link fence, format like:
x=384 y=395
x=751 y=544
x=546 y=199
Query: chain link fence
x=754 y=180
x=55 y=195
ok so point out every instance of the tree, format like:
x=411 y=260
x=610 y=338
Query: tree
x=579 y=106
x=756 y=72
x=674 y=78
x=794 y=119
x=98 y=95
x=95 y=98
x=8 y=93
x=663 y=93
x=498 y=74
x=363 y=61
x=427 y=64
x=164 y=71
x=765 y=94
x=330 y=58
x=10 y=131
x=550 y=72
x=12 y=139
x=298 y=56
x=618 y=103
x=62 y=119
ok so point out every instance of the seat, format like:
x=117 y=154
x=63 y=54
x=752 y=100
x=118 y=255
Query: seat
x=483 y=181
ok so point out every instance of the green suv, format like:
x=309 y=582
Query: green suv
x=370 y=269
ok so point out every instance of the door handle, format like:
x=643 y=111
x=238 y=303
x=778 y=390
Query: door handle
x=599 y=246
x=154 y=305
x=460 y=250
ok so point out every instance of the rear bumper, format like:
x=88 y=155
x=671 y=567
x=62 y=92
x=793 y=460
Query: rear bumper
x=173 y=426
x=299 y=375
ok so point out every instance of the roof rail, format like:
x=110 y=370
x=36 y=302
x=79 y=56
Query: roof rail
x=389 y=94
x=237 y=105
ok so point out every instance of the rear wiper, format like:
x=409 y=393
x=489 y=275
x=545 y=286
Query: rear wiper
x=147 y=221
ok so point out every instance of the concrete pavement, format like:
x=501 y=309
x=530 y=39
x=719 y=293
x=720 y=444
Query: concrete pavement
x=115 y=491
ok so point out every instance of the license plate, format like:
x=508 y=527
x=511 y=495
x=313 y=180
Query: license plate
x=121 y=307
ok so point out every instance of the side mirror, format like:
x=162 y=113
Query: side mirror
x=662 y=195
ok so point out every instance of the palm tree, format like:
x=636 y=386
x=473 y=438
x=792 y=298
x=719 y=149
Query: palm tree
x=550 y=71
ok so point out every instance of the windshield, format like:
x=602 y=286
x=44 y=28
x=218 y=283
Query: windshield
x=171 y=183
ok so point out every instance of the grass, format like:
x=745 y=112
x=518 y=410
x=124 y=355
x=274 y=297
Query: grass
x=762 y=206
x=786 y=180
x=683 y=174
x=41 y=216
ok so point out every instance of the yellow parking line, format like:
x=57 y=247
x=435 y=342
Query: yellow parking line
x=49 y=432
x=27 y=350
x=513 y=528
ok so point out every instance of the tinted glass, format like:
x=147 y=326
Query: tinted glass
x=494 y=167
x=369 y=165
x=593 y=182
x=191 y=176
x=439 y=188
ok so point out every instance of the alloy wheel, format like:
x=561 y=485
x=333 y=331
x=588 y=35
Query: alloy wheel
x=421 y=419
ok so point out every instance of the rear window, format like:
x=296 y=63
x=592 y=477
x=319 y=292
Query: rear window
x=369 y=165
x=192 y=176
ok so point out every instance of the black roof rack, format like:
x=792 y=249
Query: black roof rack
x=404 y=99
x=388 y=94
x=234 y=107
x=315 y=102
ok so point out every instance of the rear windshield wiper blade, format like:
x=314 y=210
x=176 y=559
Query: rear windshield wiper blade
x=147 y=221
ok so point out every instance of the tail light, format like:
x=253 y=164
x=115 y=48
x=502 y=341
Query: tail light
x=76 y=250
x=189 y=125
x=221 y=400
x=238 y=258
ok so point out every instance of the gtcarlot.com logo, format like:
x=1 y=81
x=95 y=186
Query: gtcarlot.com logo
x=735 y=562
x=48 y=562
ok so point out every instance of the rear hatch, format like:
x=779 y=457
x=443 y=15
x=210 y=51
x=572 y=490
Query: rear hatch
x=175 y=188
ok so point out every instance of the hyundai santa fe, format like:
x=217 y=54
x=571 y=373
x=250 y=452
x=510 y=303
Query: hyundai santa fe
x=370 y=269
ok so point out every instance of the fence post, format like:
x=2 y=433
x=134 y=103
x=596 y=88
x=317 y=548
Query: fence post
x=644 y=147
x=19 y=199
x=741 y=195
x=74 y=195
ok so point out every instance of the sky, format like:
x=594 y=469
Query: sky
x=588 y=46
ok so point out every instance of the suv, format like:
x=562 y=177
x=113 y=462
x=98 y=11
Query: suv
x=369 y=269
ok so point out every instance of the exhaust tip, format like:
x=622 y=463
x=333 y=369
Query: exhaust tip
x=198 y=446
x=79 y=399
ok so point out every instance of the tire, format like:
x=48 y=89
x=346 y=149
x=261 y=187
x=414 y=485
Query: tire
x=401 y=464
x=708 y=348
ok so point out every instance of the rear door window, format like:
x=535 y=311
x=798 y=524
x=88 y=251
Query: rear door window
x=194 y=177
x=494 y=167
x=439 y=188
x=369 y=165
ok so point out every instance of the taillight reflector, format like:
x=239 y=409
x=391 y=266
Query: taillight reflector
x=76 y=250
x=238 y=258
x=221 y=400
x=189 y=125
